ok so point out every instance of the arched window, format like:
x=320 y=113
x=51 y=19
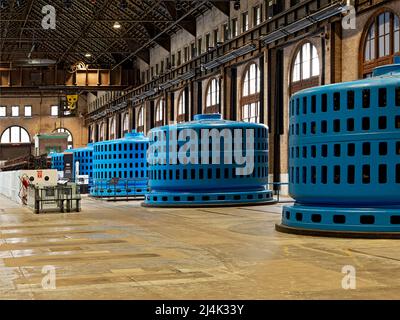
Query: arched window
x=70 y=139
x=102 y=131
x=250 y=111
x=15 y=134
x=113 y=128
x=382 y=42
x=159 y=113
x=140 y=120
x=181 y=107
x=125 y=124
x=306 y=68
x=92 y=132
x=212 y=96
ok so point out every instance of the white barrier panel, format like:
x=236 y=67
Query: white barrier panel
x=10 y=181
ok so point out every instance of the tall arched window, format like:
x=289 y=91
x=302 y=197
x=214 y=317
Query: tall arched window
x=212 y=96
x=181 y=107
x=250 y=111
x=381 y=43
x=125 y=124
x=306 y=68
x=113 y=128
x=140 y=120
x=15 y=134
x=102 y=131
x=159 y=113
x=70 y=138
x=92 y=131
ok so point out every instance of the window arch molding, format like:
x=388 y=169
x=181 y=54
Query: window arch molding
x=15 y=134
x=213 y=90
x=140 y=119
x=102 y=131
x=113 y=128
x=159 y=112
x=70 y=138
x=92 y=133
x=250 y=100
x=305 y=67
x=125 y=123
x=380 y=42
x=181 y=110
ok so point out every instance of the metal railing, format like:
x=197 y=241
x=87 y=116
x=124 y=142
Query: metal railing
x=118 y=188
x=60 y=198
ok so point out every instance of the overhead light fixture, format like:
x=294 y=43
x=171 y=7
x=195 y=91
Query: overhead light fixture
x=88 y=55
x=117 y=25
x=3 y=4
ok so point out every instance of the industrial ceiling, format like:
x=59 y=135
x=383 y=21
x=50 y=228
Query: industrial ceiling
x=102 y=33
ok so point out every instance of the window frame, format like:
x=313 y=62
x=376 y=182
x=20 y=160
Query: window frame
x=113 y=128
x=257 y=15
x=212 y=96
x=9 y=131
x=17 y=114
x=251 y=99
x=245 y=21
x=70 y=139
x=159 y=113
x=5 y=111
x=52 y=108
x=181 y=110
x=370 y=53
x=28 y=107
x=299 y=77
x=140 y=120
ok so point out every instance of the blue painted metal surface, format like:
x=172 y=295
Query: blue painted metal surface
x=176 y=183
x=120 y=167
x=57 y=161
x=84 y=156
x=344 y=155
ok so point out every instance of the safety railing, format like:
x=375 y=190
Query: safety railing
x=118 y=188
x=60 y=198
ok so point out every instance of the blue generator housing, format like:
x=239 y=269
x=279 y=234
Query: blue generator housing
x=344 y=158
x=57 y=161
x=181 y=175
x=120 y=167
x=84 y=156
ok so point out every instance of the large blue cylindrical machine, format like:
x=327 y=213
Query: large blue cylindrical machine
x=344 y=158
x=120 y=167
x=57 y=161
x=208 y=161
x=83 y=162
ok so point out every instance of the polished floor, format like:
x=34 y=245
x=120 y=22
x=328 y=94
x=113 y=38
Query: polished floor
x=124 y=251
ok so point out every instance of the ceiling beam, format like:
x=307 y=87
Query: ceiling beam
x=89 y=24
x=195 y=7
x=5 y=32
x=143 y=54
x=223 y=6
x=153 y=31
x=189 y=23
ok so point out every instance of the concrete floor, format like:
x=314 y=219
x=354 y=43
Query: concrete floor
x=123 y=251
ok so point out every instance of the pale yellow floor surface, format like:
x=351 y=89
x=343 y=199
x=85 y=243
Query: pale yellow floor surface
x=120 y=250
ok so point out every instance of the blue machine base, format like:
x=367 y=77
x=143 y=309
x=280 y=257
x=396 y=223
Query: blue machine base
x=118 y=192
x=381 y=222
x=204 y=199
